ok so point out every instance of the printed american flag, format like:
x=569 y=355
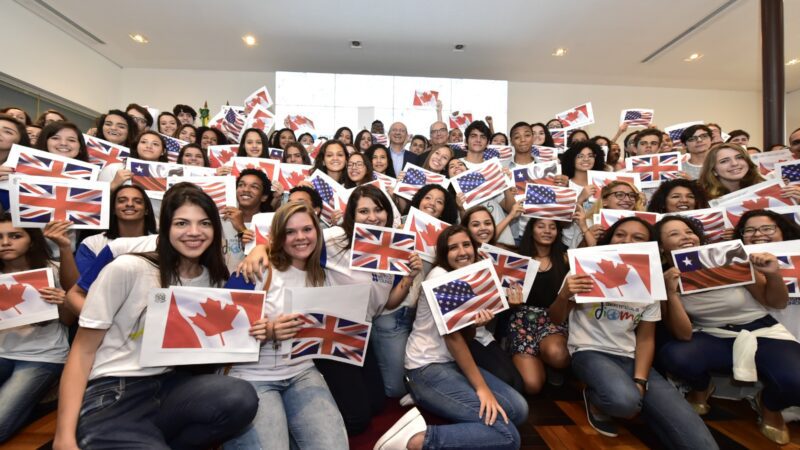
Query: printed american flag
x=41 y=202
x=509 y=268
x=221 y=189
x=381 y=250
x=276 y=153
x=173 y=147
x=675 y=135
x=414 y=179
x=481 y=184
x=103 y=153
x=329 y=194
x=386 y=181
x=229 y=122
x=790 y=172
x=501 y=152
x=653 y=169
x=641 y=117
x=42 y=164
x=380 y=139
x=326 y=336
x=713 y=266
x=425 y=98
x=460 y=121
x=712 y=219
x=550 y=202
x=460 y=299
x=544 y=154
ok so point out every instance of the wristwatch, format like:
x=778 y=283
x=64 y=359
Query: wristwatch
x=641 y=382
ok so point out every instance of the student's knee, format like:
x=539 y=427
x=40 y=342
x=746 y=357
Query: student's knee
x=555 y=355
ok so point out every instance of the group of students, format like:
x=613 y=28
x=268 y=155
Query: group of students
x=475 y=379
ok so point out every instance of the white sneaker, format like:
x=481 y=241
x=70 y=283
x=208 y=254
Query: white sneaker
x=404 y=429
x=407 y=400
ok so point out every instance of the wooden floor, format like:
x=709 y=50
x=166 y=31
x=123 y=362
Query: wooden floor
x=557 y=420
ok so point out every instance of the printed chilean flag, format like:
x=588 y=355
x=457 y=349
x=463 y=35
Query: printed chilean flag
x=20 y=301
x=617 y=276
x=544 y=173
x=713 y=266
x=103 y=153
x=219 y=155
x=426 y=98
x=211 y=319
x=427 y=229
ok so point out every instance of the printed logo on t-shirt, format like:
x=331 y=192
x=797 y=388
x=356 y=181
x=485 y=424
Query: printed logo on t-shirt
x=616 y=311
x=384 y=278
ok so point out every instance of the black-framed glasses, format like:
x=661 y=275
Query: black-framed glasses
x=766 y=230
x=632 y=196
x=355 y=165
x=699 y=137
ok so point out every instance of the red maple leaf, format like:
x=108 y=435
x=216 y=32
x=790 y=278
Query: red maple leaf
x=428 y=235
x=11 y=296
x=755 y=203
x=218 y=318
x=294 y=179
x=612 y=274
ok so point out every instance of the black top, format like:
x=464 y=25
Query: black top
x=545 y=289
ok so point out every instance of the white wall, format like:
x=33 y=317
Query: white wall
x=40 y=54
x=538 y=102
x=792 y=106
x=162 y=89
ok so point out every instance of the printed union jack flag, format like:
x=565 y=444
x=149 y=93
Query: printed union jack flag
x=550 y=202
x=481 y=184
x=40 y=202
x=327 y=336
x=789 y=268
x=414 y=179
x=149 y=176
x=510 y=269
x=641 y=117
x=37 y=163
x=103 y=153
x=382 y=250
x=501 y=152
x=559 y=136
x=460 y=299
x=656 y=168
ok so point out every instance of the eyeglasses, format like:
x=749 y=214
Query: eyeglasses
x=766 y=230
x=355 y=165
x=699 y=137
x=632 y=196
x=439 y=131
x=585 y=156
x=139 y=120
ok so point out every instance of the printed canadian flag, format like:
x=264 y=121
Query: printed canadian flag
x=269 y=166
x=20 y=301
x=260 y=97
x=219 y=155
x=426 y=98
x=189 y=325
x=260 y=226
x=620 y=273
x=427 y=228
x=260 y=118
x=293 y=174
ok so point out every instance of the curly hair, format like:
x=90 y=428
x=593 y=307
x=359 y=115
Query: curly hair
x=658 y=202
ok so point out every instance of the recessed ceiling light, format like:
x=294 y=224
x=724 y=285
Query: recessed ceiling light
x=355 y=44
x=793 y=61
x=693 y=57
x=458 y=48
x=140 y=38
x=249 y=40
x=560 y=52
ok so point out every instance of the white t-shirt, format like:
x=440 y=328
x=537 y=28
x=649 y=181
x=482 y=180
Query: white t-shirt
x=425 y=345
x=338 y=273
x=39 y=342
x=729 y=306
x=117 y=302
x=608 y=327
x=493 y=205
x=271 y=366
x=110 y=171
x=692 y=170
x=232 y=249
x=789 y=316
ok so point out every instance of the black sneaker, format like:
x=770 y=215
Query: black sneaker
x=555 y=377
x=602 y=423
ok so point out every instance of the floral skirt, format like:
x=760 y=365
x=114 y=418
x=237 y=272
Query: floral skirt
x=528 y=325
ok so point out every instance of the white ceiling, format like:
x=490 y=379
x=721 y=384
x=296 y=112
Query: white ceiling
x=509 y=39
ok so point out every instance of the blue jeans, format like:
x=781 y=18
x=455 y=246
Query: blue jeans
x=299 y=411
x=611 y=389
x=443 y=390
x=172 y=410
x=22 y=386
x=388 y=341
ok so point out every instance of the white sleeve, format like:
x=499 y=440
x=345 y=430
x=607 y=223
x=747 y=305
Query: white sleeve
x=109 y=292
x=652 y=313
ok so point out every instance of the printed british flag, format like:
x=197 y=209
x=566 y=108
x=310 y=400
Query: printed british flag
x=501 y=152
x=102 y=153
x=559 y=136
x=510 y=269
x=543 y=154
x=550 y=202
x=456 y=297
x=426 y=98
x=426 y=229
x=28 y=161
x=174 y=147
x=219 y=155
x=260 y=97
x=636 y=117
x=381 y=250
x=481 y=184
x=326 y=336
x=653 y=169
x=415 y=178
x=788 y=255
x=714 y=221
x=40 y=201
x=460 y=120
x=330 y=191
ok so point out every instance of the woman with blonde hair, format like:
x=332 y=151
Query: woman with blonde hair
x=727 y=168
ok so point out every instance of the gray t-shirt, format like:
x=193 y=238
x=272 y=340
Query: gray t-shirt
x=608 y=327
